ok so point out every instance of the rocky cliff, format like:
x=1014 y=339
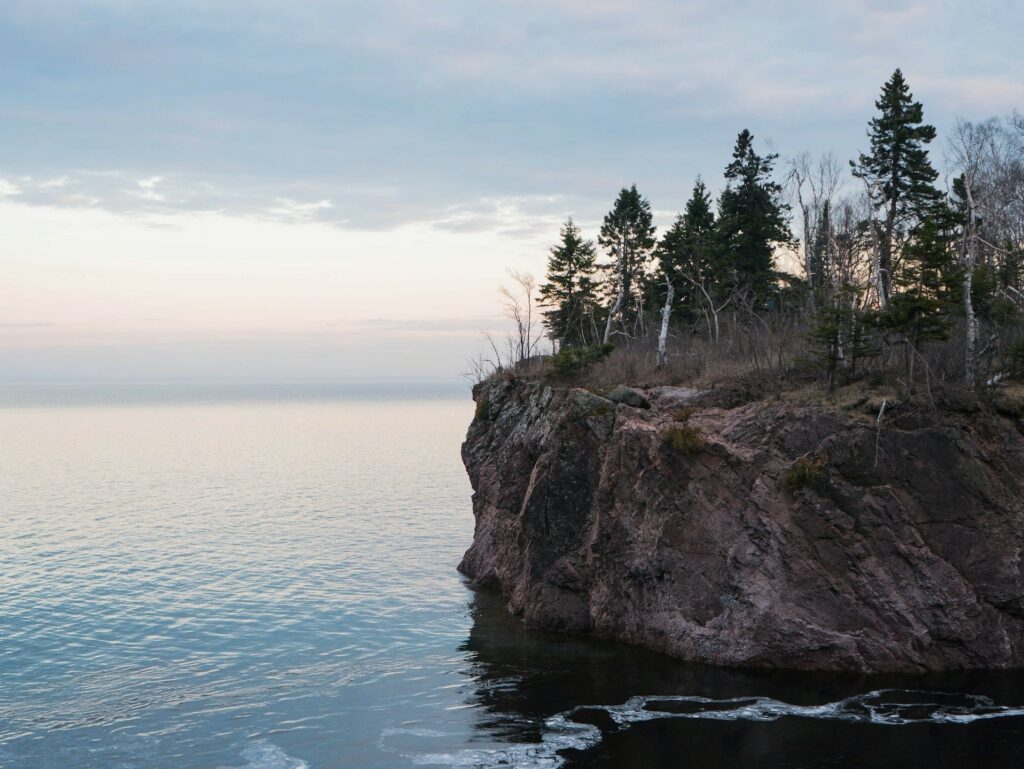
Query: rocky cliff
x=768 y=535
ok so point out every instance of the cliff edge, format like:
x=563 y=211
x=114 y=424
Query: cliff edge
x=769 y=535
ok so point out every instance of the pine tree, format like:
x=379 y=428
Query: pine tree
x=898 y=173
x=752 y=218
x=570 y=289
x=686 y=253
x=628 y=236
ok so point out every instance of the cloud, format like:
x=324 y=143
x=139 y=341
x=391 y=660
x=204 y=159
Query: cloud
x=395 y=111
x=295 y=211
x=8 y=189
x=984 y=94
x=147 y=189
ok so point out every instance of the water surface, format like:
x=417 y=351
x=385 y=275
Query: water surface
x=268 y=582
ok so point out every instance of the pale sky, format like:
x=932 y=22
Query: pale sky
x=336 y=189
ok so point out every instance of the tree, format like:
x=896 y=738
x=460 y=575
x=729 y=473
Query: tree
x=898 y=175
x=987 y=197
x=752 y=218
x=688 y=260
x=570 y=289
x=687 y=247
x=814 y=185
x=628 y=236
x=517 y=304
x=841 y=334
x=930 y=286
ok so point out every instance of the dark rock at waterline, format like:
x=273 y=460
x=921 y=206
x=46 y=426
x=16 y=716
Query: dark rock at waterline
x=768 y=535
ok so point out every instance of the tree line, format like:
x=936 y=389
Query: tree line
x=885 y=264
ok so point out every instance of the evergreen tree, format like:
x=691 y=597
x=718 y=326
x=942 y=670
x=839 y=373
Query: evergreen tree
x=930 y=290
x=570 y=289
x=628 y=236
x=752 y=218
x=842 y=335
x=686 y=253
x=899 y=174
x=930 y=286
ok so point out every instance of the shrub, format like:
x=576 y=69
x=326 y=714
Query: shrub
x=804 y=473
x=683 y=414
x=684 y=439
x=573 y=360
x=482 y=407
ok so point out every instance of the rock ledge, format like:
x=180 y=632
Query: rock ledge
x=900 y=551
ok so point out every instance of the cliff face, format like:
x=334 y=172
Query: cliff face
x=698 y=535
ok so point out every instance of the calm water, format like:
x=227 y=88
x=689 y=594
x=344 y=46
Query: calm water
x=271 y=585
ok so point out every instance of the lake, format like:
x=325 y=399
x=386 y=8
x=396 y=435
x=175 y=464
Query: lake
x=236 y=576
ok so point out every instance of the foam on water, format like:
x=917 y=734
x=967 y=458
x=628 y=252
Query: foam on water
x=263 y=754
x=890 y=707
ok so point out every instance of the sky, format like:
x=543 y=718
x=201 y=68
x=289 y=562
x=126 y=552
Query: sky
x=256 y=189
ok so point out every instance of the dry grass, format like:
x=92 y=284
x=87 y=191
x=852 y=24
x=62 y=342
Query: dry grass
x=696 y=361
x=804 y=473
x=684 y=439
x=759 y=360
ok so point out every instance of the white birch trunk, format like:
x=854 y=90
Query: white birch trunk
x=617 y=306
x=665 y=312
x=970 y=355
x=876 y=249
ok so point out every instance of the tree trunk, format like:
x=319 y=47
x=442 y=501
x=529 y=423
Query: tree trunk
x=665 y=311
x=618 y=297
x=970 y=354
x=880 y=261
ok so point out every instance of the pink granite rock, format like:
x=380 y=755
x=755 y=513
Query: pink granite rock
x=900 y=551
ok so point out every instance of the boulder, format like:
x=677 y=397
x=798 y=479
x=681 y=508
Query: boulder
x=629 y=396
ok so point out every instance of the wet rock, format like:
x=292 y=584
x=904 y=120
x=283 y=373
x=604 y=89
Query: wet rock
x=904 y=554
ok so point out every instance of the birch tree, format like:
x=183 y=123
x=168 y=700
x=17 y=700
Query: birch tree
x=814 y=185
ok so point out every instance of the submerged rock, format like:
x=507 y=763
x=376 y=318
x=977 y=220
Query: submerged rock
x=769 y=535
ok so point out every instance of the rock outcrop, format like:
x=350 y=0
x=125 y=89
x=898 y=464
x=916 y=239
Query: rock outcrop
x=768 y=535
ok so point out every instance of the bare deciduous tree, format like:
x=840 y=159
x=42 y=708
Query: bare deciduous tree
x=519 y=305
x=814 y=184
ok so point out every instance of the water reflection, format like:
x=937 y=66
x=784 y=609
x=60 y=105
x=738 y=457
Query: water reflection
x=558 y=699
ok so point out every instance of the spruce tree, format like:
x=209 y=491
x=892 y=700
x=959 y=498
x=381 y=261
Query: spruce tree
x=930 y=290
x=686 y=253
x=752 y=218
x=627 y=234
x=570 y=289
x=899 y=175
x=842 y=335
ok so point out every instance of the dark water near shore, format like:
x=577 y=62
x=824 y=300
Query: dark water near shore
x=268 y=582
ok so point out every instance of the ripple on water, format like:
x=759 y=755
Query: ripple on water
x=272 y=586
x=263 y=754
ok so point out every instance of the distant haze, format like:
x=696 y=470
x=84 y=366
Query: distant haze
x=335 y=190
